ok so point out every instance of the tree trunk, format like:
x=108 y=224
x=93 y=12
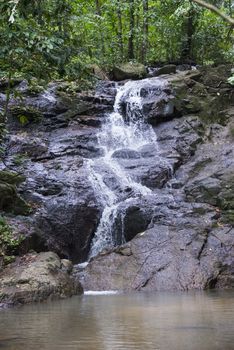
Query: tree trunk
x=120 y=30
x=131 y=30
x=102 y=39
x=98 y=9
x=186 y=55
x=144 y=47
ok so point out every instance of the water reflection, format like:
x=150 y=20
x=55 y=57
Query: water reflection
x=167 y=321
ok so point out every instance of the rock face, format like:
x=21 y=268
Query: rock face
x=37 y=277
x=179 y=236
x=51 y=149
x=185 y=232
x=166 y=258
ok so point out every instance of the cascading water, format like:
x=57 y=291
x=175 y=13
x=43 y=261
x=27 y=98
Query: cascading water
x=126 y=132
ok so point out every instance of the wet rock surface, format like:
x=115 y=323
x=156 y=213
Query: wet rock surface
x=166 y=257
x=35 y=278
x=178 y=237
x=185 y=235
x=51 y=152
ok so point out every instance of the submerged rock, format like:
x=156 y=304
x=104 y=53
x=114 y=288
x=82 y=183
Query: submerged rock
x=37 y=277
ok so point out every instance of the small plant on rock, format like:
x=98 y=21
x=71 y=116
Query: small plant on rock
x=8 y=243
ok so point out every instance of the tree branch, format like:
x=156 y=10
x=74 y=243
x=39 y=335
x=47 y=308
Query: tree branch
x=214 y=9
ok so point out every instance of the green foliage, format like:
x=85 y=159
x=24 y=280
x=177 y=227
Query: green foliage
x=19 y=159
x=51 y=39
x=8 y=243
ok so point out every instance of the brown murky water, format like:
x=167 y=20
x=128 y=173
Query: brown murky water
x=170 y=321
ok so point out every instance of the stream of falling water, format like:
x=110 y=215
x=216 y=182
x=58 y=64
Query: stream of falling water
x=120 y=132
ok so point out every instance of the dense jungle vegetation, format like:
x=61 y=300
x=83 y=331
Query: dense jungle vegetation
x=64 y=38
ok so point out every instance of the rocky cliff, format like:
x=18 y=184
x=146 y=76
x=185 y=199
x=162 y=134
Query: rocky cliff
x=179 y=236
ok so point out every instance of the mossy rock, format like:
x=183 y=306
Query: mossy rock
x=216 y=76
x=26 y=114
x=168 y=69
x=7 y=194
x=10 y=200
x=9 y=242
x=69 y=87
x=35 y=278
x=129 y=71
x=98 y=72
x=36 y=87
x=192 y=97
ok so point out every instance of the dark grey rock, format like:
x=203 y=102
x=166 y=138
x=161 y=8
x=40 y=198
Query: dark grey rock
x=165 y=257
x=179 y=236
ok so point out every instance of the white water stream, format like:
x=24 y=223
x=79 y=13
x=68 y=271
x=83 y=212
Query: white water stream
x=129 y=132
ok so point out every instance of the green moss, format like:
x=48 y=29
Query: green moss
x=11 y=177
x=71 y=88
x=228 y=217
x=8 y=259
x=232 y=132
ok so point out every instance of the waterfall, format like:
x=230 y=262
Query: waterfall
x=124 y=131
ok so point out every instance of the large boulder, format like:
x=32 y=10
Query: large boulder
x=68 y=224
x=129 y=71
x=37 y=277
x=133 y=217
x=173 y=256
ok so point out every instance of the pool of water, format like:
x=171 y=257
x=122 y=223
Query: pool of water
x=157 y=321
